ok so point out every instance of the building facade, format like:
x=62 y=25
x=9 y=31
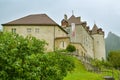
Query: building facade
x=42 y=27
x=73 y=31
x=91 y=40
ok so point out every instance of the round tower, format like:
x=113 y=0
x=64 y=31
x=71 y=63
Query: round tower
x=99 y=43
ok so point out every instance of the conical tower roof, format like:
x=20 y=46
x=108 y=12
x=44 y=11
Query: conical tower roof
x=95 y=29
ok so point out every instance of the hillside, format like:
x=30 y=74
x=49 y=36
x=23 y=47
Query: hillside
x=112 y=42
x=80 y=73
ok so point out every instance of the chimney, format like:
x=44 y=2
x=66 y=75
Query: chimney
x=65 y=17
x=64 y=23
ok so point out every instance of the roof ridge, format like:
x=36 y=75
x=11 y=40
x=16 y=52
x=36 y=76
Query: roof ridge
x=33 y=19
x=37 y=14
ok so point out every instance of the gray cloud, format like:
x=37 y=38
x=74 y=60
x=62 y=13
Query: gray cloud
x=106 y=13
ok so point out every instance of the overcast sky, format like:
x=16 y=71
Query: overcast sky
x=105 y=13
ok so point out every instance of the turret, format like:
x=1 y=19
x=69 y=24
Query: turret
x=97 y=30
x=99 y=42
x=64 y=22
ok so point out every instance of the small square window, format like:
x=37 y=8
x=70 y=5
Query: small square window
x=37 y=30
x=29 y=30
x=13 y=30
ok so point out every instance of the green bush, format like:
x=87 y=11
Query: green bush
x=71 y=48
x=25 y=59
x=114 y=59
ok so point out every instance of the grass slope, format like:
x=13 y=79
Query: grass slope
x=80 y=73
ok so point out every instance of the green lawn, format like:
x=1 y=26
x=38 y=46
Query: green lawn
x=80 y=73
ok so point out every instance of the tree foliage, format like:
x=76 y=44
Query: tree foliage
x=114 y=58
x=100 y=64
x=96 y=63
x=25 y=59
x=59 y=65
x=71 y=48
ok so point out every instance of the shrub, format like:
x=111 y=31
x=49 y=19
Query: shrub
x=71 y=48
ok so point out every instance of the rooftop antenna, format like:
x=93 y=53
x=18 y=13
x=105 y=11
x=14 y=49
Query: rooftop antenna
x=72 y=12
x=94 y=22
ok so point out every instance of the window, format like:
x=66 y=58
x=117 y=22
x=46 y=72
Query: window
x=97 y=42
x=37 y=30
x=82 y=53
x=29 y=30
x=62 y=44
x=13 y=30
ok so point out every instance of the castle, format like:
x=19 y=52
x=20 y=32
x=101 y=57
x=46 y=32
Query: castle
x=92 y=40
x=73 y=31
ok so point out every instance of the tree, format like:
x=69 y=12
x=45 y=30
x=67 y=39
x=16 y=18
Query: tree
x=114 y=58
x=57 y=66
x=25 y=59
x=71 y=48
x=18 y=56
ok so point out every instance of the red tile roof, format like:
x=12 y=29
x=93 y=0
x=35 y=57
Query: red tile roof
x=36 y=19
